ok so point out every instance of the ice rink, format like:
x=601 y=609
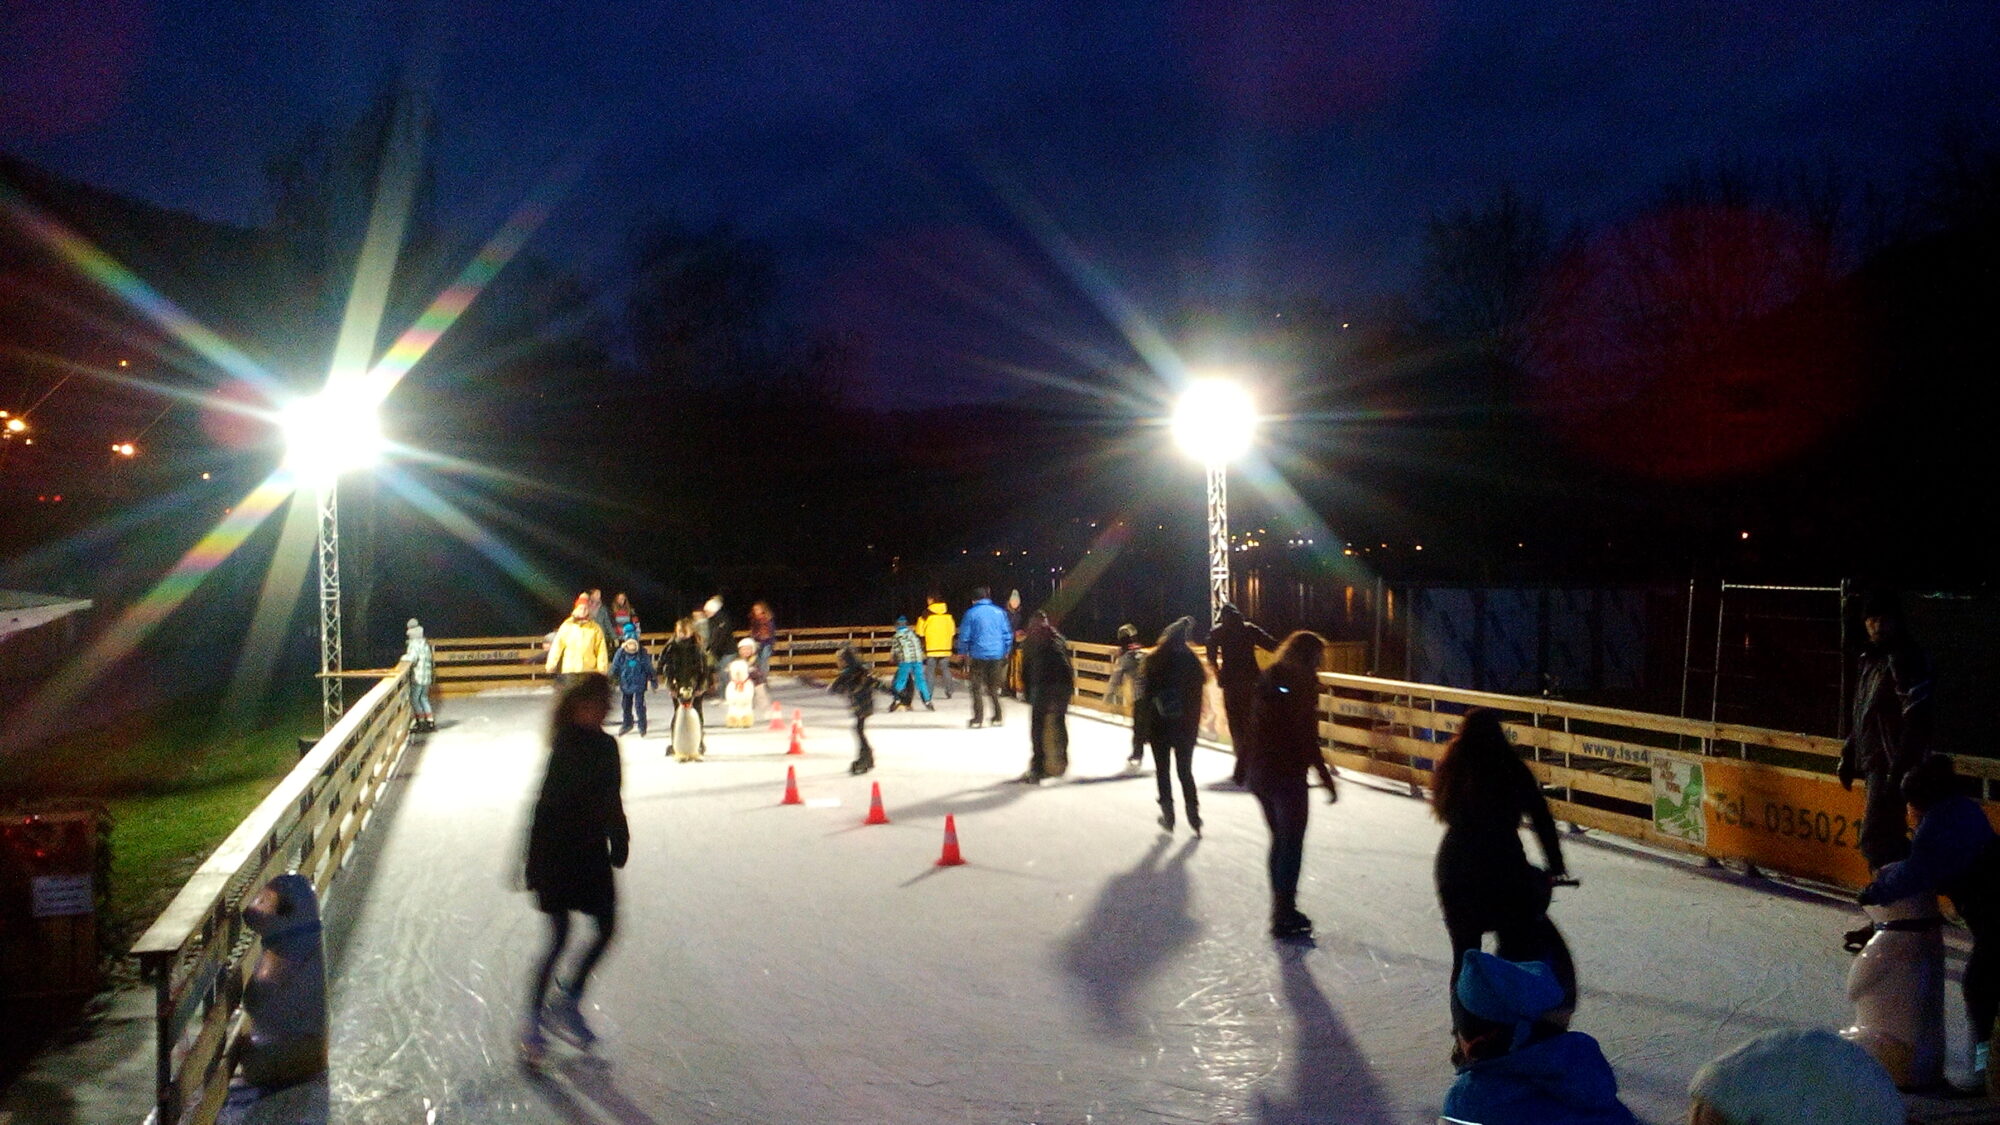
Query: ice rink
x=785 y=964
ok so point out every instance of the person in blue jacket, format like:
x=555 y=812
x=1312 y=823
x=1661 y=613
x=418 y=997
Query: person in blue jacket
x=1517 y=1072
x=985 y=636
x=1956 y=853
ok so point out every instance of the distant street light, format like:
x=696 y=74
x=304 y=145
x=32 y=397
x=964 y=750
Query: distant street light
x=1214 y=422
x=335 y=432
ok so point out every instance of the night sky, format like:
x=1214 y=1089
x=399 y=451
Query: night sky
x=913 y=162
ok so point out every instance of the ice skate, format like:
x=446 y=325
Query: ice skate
x=625 y=730
x=564 y=1017
x=929 y=706
x=975 y=724
x=1194 y=822
x=861 y=765
x=533 y=1047
x=1166 y=820
x=1029 y=778
x=1289 y=923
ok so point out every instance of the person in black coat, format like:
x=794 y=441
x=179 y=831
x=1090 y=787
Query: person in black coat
x=1048 y=676
x=1485 y=884
x=1285 y=718
x=577 y=836
x=1170 y=690
x=1232 y=655
x=858 y=685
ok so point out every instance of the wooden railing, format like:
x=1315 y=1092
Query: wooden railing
x=198 y=955
x=472 y=664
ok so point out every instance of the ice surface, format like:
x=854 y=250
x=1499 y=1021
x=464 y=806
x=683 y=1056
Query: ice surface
x=780 y=964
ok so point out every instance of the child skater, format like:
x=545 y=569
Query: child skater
x=859 y=685
x=1124 y=685
x=632 y=668
x=909 y=650
x=423 y=669
x=578 y=835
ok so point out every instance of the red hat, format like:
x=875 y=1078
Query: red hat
x=582 y=605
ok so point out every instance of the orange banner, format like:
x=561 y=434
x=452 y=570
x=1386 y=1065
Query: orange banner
x=1783 y=820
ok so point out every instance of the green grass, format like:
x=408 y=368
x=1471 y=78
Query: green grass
x=176 y=780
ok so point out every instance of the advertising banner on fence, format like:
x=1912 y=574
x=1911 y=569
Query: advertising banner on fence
x=1679 y=784
x=1784 y=820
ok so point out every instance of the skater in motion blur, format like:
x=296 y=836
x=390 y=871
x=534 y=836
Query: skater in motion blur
x=1485 y=883
x=1232 y=656
x=858 y=685
x=1048 y=679
x=1890 y=732
x=1124 y=684
x=577 y=836
x=423 y=670
x=1954 y=853
x=1286 y=746
x=1170 y=687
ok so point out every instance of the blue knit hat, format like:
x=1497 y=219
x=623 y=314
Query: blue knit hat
x=1507 y=992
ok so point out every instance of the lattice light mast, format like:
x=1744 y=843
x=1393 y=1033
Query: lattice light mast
x=336 y=431
x=1214 y=422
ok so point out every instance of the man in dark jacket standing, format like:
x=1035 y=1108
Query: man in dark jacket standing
x=985 y=636
x=1232 y=656
x=1048 y=678
x=1890 y=731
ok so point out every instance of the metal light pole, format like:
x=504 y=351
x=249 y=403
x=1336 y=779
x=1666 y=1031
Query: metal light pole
x=1218 y=540
x=332 y=696
x=1213 y=422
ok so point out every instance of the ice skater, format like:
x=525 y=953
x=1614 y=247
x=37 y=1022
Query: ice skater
x=684 y=667
x=909 y=650
x=1891 y=724
x=858 y=685
x=632 y=670
x=1232 y=656
x=1170 y=689
x=1048 y=679
x=1519 y=1070
x=937 y=628
x=1485 y=883
x=423 y=671
x=1124 y=684
x=1955 y=853
x=986 y=637
x=1287 y=744
x=577 y=836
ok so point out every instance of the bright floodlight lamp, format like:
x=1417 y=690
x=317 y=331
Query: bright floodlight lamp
x=1215 y=420
x=331 y=434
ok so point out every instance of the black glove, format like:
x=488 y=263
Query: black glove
x=1846 y=772
x=1869 y=896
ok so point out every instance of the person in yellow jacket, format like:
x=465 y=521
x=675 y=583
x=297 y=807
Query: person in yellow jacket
x=937 y=629
x=578 y=646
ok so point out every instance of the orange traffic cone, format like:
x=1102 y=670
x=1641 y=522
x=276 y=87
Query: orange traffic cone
x=795 y=748
x=875 y=813
x=792 y=788
x=950 y=858
x=777 y=716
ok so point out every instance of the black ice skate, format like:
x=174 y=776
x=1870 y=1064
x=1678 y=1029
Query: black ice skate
x=564 y=1017
x=861 y=765
x=1290 y=924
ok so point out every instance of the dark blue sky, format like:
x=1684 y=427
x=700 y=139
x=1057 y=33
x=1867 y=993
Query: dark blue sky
x=1192 y=149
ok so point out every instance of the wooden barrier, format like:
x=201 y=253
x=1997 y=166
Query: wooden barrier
x=465 y=665
x=198 y=954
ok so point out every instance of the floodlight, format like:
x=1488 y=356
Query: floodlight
x=1214 y=420
x=332 y=433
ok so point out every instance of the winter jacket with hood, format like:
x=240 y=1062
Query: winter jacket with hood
x=1171 y=682
x=578 y=647
x=906 y=647
x=986 y=633
x=937 y=627
x=1564 y=1080
x=1954 y=853
x=1047 y=672
x=632 y=667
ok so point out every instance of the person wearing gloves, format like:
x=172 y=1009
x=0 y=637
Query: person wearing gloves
x=576 y=837
x=423 y=671
x=1285 y=716
x=1794 y=1078
x=1517 y=1071
x=937 y=628
x=1954 y=853
x=578 y=647
x=632 y=671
